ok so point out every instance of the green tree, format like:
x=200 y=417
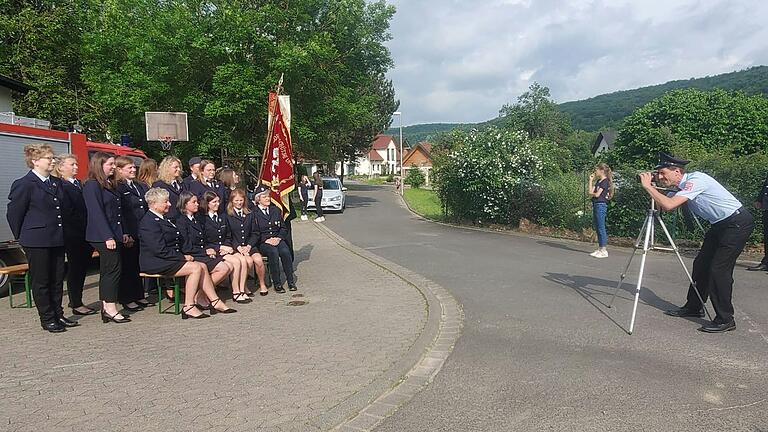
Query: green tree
x=415 y=178
x=537 y=114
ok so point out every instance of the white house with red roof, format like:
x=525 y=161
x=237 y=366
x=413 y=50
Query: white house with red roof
x=382 y=158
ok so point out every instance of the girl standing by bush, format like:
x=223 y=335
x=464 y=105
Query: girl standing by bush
x=601 y=192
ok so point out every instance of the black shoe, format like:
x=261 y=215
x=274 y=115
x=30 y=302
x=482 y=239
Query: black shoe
x=53 y=327
x=185 y=316
x=759 y=267
x=214 y=311
x=685 y=312
x=241 y=298
x=279 y=289
x=718 y=328
x=263 y=293
x=136 y=308
x=77 y=312
x=68 y=322
x=152 y=299
x=145 y=304
x=292 y=287
x=105 y=318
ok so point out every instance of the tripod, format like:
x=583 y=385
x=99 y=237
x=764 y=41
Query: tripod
x=648 y=235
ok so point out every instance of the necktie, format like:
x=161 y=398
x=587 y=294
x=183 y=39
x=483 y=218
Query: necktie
x=210 y=185
x=47 y=183
x=215 y=219
x=239 y=213
x=76 y=183
x=175 y=185
x=266 y=213
x=133 y=188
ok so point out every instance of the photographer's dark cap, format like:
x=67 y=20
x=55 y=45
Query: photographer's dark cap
x=666 y=161
x=195 y=160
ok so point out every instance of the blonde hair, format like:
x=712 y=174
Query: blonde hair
x=609 y=175
x=164 y=172
x=58 y=160
x=237 y=193
x=33 y=152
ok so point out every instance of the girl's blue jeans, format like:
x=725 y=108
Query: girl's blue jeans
x=599 y=211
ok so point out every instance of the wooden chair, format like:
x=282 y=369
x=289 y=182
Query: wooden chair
x=18 y=271
x=176 y=292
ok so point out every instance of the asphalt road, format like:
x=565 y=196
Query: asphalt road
x=541 y=351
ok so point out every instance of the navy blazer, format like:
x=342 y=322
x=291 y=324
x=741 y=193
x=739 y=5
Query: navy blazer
x=134 y=206
x=187 y=181
x=173 y=197
x=241 y=230
x=265 y=227
x=192 y=231
x=35 y=211
x=218 y=188
x=160 y=244
x=76 y=215
x=216 y=234
x=105 y=215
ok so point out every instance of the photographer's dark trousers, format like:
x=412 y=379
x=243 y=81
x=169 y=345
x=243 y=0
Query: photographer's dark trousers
x=765 y=237
x=713 y=266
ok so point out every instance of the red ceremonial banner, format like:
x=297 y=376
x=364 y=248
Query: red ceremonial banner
x=277 y=163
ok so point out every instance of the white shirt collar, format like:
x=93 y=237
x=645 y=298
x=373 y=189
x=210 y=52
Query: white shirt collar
x=263 y=208
x=42 y=179
x=157 y=214
x=211 y=214
x=191 y=217
x=72 y=180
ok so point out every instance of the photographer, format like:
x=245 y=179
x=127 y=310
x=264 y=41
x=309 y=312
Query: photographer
x=731 y=226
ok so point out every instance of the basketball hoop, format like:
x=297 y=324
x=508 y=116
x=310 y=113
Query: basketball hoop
x=166 y=127
x=166 y=142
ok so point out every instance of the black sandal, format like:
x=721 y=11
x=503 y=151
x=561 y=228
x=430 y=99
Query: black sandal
x=241 y=298
x=185 y=309
x=215 y=311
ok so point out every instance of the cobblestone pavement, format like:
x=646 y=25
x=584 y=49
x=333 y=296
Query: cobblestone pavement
x=269 y=367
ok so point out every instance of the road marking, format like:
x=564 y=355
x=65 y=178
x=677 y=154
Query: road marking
x=78 y=364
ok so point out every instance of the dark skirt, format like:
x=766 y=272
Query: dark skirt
x=211 y=263
x=169 y=270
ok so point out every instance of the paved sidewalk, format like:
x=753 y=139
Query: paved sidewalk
x=269 y=367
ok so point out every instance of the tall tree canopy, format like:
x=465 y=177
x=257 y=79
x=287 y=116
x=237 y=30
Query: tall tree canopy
x=107 y=62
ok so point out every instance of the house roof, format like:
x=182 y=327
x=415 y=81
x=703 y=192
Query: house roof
x=373 y=155
x=610 y=139
x=381 y=142
x=423 y=147
x=14 y=85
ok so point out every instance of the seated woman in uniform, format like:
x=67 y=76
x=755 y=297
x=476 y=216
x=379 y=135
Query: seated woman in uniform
x=218 y=242
x=160 y=245
x=271 y=235
x=240 y=226
x=192 y=231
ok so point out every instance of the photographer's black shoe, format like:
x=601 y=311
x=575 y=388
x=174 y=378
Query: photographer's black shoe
x=718 y=328
x=685 y=312
x=759 y=267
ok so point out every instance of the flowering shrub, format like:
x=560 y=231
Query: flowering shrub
x=491 y=175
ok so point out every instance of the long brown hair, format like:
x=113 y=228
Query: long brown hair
x=147 y=172
x=609 y=175
x=232 y=195
x=121 y=162
x=96 y=169
x=204 y=163
x=227 y=176
x=206 y=199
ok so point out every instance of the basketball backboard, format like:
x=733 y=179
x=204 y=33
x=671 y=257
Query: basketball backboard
x=166 y=126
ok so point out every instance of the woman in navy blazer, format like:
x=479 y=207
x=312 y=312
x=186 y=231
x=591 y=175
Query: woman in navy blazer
x=36 y=204
x=132 y=201
x=161 y=244
x=207 y=182
x=105 y=231
x=169 y=178
x=78 y=250
x=218 y=242
x=239 y=219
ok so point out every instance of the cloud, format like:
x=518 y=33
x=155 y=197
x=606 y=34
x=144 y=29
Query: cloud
x=460 y=61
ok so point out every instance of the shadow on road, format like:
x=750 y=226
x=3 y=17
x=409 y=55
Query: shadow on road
x=559 y=246
x=359 y=202
x=597 y=292
x=302 y=254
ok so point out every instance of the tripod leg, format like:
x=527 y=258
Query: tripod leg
x=629 y=262
x=685 y=269
x=646 y=246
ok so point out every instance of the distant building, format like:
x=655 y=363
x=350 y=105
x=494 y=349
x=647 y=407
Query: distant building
x=7 y=87
x=419 y=156
x=604 y=142
x=382 y=158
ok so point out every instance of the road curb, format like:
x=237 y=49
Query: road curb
x=424 y=359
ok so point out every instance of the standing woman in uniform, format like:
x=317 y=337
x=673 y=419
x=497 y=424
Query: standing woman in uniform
x=147 y=172
x=133 y=205
x=169 y=178
x=218 y=242
x=230 y=181
x=318 y=197
x=78 y=250
x=35 y=206
x=243 y=239
x=601 y=192
x=105 y=232
x=207 y=181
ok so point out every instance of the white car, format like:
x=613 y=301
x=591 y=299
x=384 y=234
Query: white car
x=334 y=195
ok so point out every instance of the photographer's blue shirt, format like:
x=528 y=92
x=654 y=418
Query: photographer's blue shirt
x=707 y=198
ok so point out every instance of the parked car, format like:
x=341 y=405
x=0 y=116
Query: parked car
x=334 y=195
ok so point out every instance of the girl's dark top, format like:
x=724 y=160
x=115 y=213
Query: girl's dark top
x=603 y=198
x=303 y=189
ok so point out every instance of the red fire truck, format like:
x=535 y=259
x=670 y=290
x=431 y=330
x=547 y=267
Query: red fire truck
x=13 y=138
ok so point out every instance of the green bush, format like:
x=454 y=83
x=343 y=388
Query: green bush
x=415 y=178
x=563 y=203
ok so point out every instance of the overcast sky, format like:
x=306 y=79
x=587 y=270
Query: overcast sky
x=460 y=61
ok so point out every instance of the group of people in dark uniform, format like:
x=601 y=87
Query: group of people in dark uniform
x=202 y=228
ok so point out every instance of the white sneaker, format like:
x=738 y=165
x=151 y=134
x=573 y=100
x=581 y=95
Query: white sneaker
x=320 y=219
x=602 y=254
x=304 y=217
x=595 y=253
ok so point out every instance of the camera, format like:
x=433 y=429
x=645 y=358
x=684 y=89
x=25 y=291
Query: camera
x=654 y=177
